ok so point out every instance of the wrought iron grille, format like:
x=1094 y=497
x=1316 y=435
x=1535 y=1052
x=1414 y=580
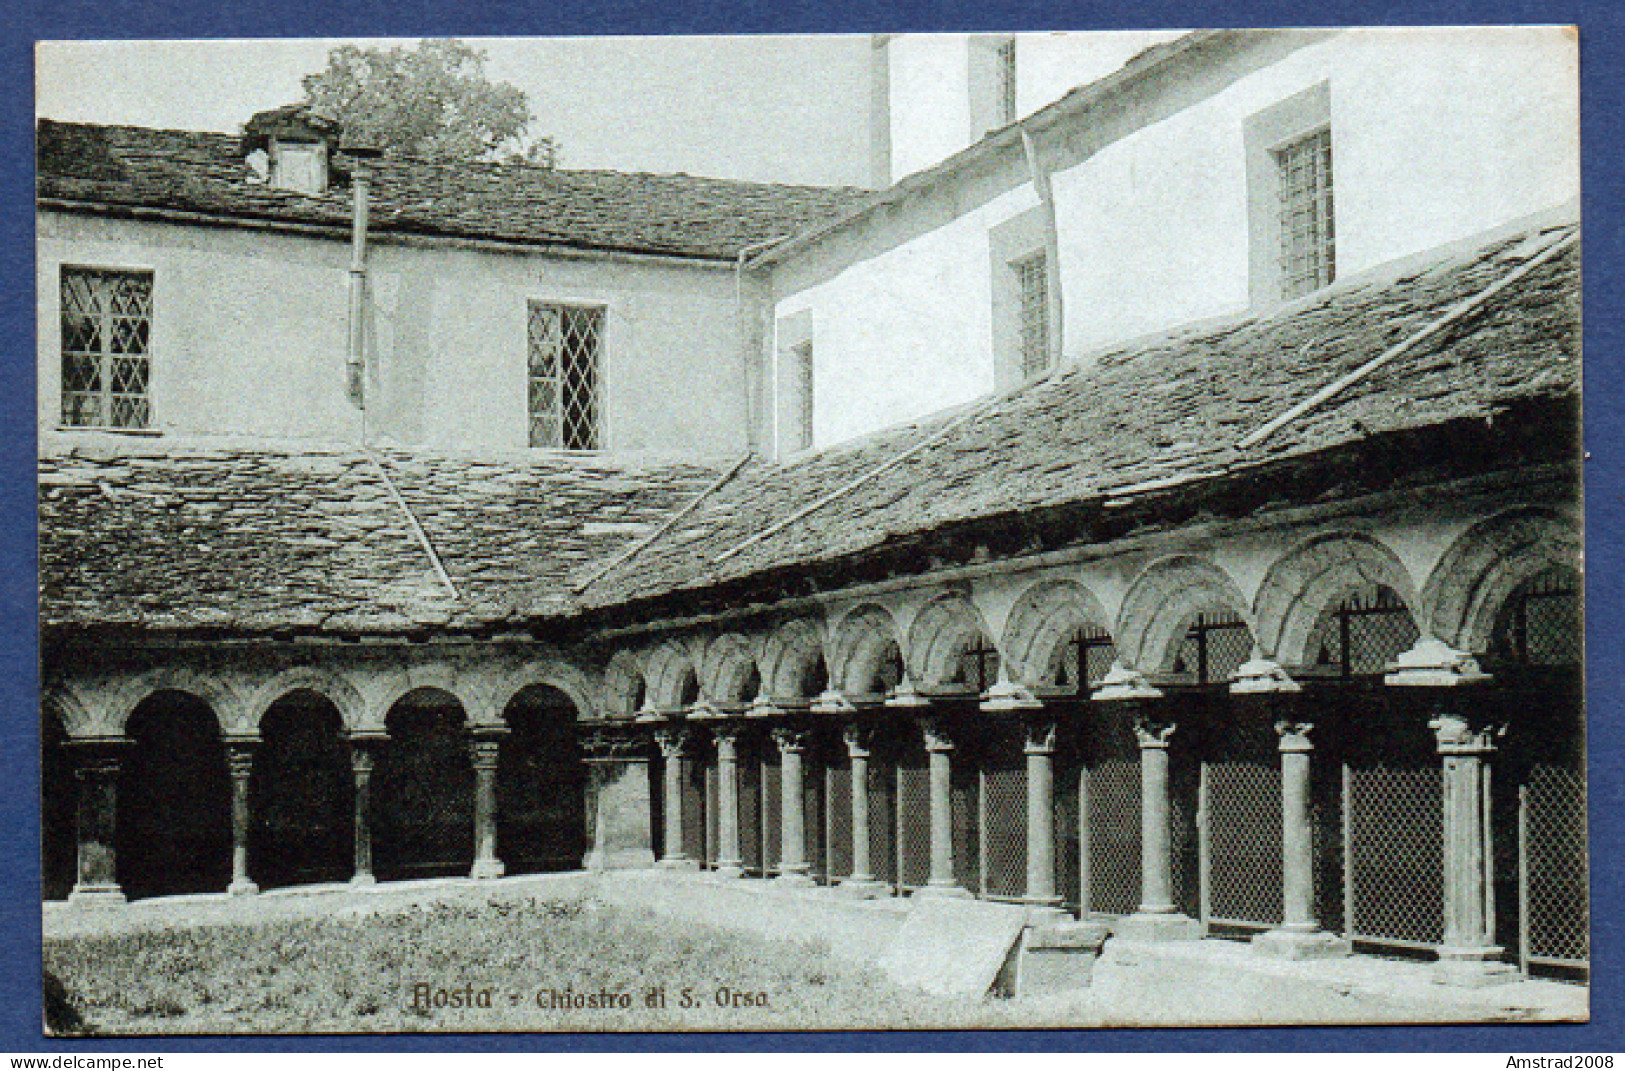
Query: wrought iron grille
x=106 y=348
x=693 y=816
x=1362 y=635
x=1244 y=841
x=1114 y=836
x=1554 y=919
x=1394 y=841
x=1068 y=880
x=1541 y=624
x=713 y=847
x=1032 y=280
x=978 y=665
x=772 y=803
x=812 y=819
x=565 y=342
x=838 y=819
x=965 y=795
x=1004 y=824
x=1213 y=648
x=750 y=813
x=1086 y=657
x=1308 y=235
x=883 y=820
x=913 y=821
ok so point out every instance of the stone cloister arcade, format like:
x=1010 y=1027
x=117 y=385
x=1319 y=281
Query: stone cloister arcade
x=1354 y=733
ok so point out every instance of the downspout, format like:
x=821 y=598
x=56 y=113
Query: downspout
x=1052 y=248
x=752 y=367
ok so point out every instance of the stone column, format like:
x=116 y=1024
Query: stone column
x=96 y=768
x=1155 y=918
x=793 y=864
x=730 y=861
x=240 y=761
x=1466 y=741
x=619 y=825
x=363 y=754
x=862 y=881
x=939 y=749
x=676 y=744
x=1040 y=749
x=484 y=749
x=1263 y=690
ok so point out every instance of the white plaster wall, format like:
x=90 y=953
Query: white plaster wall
x=1437 y=135
x=929 y=86
x=1049 y=65
x=249 y=338
x=907 y=332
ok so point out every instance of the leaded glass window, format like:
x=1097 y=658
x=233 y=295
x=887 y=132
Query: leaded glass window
x=106 y=348
x=1033 y=282
x=1007 y=80
x=565 y=344
x=1308 y=237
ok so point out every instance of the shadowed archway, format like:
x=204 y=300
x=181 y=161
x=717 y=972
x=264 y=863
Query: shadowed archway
x=541 y=784
x=174 y=800
x=302 y=793
x=422 y=807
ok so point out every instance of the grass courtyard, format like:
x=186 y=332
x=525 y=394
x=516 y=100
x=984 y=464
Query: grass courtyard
x=468 y=966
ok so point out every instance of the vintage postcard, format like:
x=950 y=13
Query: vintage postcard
x=892 y=531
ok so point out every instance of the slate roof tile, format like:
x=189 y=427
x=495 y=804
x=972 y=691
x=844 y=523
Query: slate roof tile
x=124 y=167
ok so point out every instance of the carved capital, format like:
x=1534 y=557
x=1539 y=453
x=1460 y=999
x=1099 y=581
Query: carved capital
x=240 y=757
x=1435 y=664
x=937 y=736
x=1458 y=734
x=1040 y=736
x=484 y=750
x=859 y=739
x=1294 y=733
x=610 y=745
x=1153 y=732
x=792 y=739
x=364 y=751
x=99 y=758
x=675 y=742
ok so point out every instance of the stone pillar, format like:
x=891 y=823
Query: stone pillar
x=484 y=748
x=1466 y=743
x=363 y=755
x=240 y=761
x=793 y=865
x=862 y=881
x=676 y=744
x=1155 y=918
x=730 y=861
x=1263 y=690
x=96 y=768
x=939 y=749
x=619 y=799
x=1040 y=749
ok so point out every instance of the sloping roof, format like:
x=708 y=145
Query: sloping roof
x=162 y=535
x=1151 y=414
x=134 y=169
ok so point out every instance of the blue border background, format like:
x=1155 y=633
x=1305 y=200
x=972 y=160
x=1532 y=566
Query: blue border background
x=1602 y=26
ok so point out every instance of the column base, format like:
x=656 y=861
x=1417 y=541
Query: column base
x=363 y=881
x=795 y=879
x=729 y=871
x=863 y=889
x=677 y=862
x=624 y=859
x=1473 y=968
x=97 y=896
x=947 y=890
x=242 y=887
x=1301 y=944
x=486 y=869
x=1158 y=926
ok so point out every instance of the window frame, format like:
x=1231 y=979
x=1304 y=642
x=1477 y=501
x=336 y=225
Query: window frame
x=150 y=427
x=1319 y=243
x=1305 y=114
x=600 y=365
x=1021 y=239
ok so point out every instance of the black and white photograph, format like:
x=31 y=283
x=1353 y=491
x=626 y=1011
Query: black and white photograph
x=868 y=531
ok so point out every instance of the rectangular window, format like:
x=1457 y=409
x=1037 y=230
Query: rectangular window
x=802 y=436
x=1308 y=242
x=1006 y=58
x=565 y=346
x=106 y=348
x=1033 y=283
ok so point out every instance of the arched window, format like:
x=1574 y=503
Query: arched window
x=1213 y=648
x=1361 y=635
x=1541 y=622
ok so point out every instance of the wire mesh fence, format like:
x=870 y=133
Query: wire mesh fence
x=1395 y=846
x=838 y=818
x=812 y=817
x=913 y=821
x=750 y=810
x=1244 y=842
x=1004 y=825
x=713 y=848
x=883 y=819
x=771 y=803
x=1552 y=868
x=965 y=795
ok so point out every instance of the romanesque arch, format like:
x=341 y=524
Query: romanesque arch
x=1313 y=576
x=174 y=798
x=540 y=781
x=1162 y=600
x=422 y=809
x=1043 y=619
x=301 y=792
x=947 y=627
x=337 y=690
x=672 y=676
x=1486 y=564
x=729 y=675
x=625 y=686
x=863 y=639
x=793 y=660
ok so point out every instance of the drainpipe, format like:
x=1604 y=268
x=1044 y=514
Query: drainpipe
x=753 y=390
x=355 y=353
x=1052 y=248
